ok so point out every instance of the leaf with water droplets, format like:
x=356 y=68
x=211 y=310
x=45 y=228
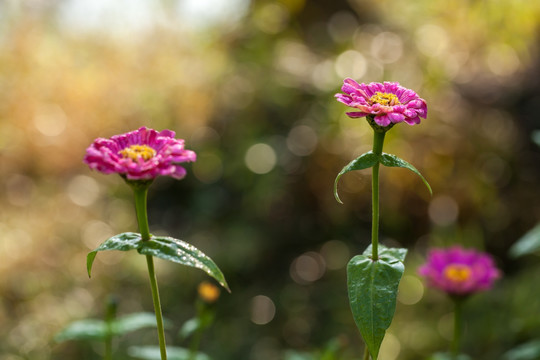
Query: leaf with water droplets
x=122 y=242
x=178 y=251
x=166 y=248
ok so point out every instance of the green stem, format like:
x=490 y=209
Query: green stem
x=458 y=318
x=110 y=315
x=142 y=219
x=157 y=306
x=378 y=141
x=140 y=208
x=194 y=346
x=108 y=348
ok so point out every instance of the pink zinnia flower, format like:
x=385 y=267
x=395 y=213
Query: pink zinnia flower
x=142 y=154
x=458 y=271
x=387 y=103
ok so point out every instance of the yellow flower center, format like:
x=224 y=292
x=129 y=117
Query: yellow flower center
x=457 y=272
x=138 y=152
x=387 y=99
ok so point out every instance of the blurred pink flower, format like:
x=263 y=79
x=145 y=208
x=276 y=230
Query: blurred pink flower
x=458 y=271
x=387 y=103
x=142 y=154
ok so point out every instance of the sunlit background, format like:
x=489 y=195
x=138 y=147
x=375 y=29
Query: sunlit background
x=250 y=85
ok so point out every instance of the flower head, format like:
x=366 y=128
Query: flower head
x=387 y=103
x=142 y=154
x=458 y=271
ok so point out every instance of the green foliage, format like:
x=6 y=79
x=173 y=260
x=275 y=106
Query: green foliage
x=173 y=353
x=527 y=244
x=373 y=287
x=528 y=351
x=95 y=329
x=331 y=351
x=447 y=356
x=166 y=248
x=364 y=161
x=369 y=159
x=189 y=327
x=390 y=160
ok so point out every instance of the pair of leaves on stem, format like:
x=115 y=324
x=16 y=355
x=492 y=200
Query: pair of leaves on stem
x=371 y=159
x=163 y=247
x=373 y=287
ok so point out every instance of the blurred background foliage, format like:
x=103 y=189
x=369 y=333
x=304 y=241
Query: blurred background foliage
x=250 y=85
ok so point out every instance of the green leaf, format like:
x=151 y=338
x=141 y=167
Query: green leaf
x=94 y=329
x=173 y=353
x=189 y=328
x=364 y=161
x=527 y=244
x=89 y=329
x=122 y=242
x=535 y=136
x=373 y=287
x=527 y=351
x=166 y=248
x=134 y=322
x=178 y=251
x=390 y=160
x=448 y=356
x=388 y=254
x=296 y=355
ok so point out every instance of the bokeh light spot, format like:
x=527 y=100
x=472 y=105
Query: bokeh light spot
x=432 y=40
x=208 y=168
x=263 y=310
x=260 y=158
x=390 y=347
x=83 y=190
x=351 y=64
x=411 y=290
x=443 y=210
x=307 y=268
x=302 y=140
x=387 y=47
x=50 y=120
x=502 y=60
x=445 y=326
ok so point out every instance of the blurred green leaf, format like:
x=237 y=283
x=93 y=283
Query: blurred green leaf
x=173 y=353
x=535 y=136
x=390 y=160
x=189 y=328
x=373 y=287
x=95 y=329
x=364 y=161
x=166 y=248
x=295 y=355
x=447 y=356
x=90 y=329
x=527 y=244
x=527 y=351
x=133 y=322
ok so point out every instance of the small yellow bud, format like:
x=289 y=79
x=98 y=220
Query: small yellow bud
x=208 y=292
